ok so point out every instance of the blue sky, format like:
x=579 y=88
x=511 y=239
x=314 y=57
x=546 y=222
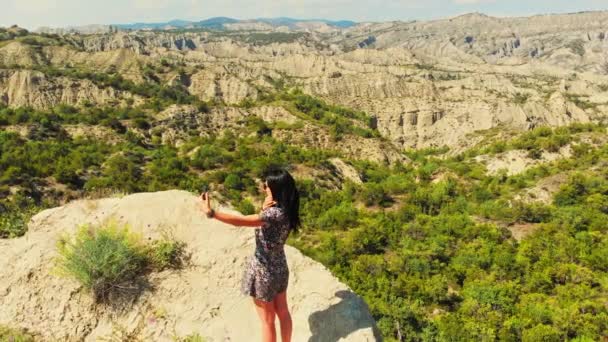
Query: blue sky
x=35 y=13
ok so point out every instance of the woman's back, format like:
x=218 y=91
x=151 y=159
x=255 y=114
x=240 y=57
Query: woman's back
x=267 y=272
x=271 y=236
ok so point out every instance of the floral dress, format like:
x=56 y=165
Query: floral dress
x=266 y=273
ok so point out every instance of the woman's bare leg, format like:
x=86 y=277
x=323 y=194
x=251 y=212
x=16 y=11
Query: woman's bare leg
x=267 y=315
x=282 y=310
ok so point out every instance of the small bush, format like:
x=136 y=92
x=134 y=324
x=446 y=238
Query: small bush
x=109 y=259
x=15 y=215
x=233 y=181
x=521 y=98
x=532 y=212
x=577 y=47
x=196 y=337
x=12 y=225
x=102 y=259
x=164 y=254
x=245 y=207
x=15 y=335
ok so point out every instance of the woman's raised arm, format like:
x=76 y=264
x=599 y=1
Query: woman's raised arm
x=252 y=220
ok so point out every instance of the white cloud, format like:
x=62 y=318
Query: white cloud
x=151 y=4
x=471 y=2
x=34 y=5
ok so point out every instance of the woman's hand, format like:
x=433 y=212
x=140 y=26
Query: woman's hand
x=268 y=202
x=206 y=204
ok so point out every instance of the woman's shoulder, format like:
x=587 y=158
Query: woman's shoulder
x=272 y=212
x=274 y=209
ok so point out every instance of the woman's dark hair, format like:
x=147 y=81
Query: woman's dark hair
x=284 y=192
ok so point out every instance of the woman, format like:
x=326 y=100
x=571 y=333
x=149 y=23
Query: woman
x=266 y=275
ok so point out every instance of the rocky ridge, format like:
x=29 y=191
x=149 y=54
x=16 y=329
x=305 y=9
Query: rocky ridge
x=427 y=83
x=202 y=298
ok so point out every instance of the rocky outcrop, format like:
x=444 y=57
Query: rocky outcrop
x=15 y=53
x=202 y=298
x=94 y=132
x=544 y=190
x=345 y=171
x=478 y=38
x=517 y=161
x=221 y=86
x=35 y=89
x=274 y=114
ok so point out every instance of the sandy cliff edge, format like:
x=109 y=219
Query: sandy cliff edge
x=202 y=298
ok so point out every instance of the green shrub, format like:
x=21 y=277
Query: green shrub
x=15 y=335
x=342 y=216
x=580 y=102
x=209 y=156
x=375 y=194
x=233 y=181
x=542 y=332
x=577 y=47
x=103 y=258
x=521 y=98
x=109 y=259
x=196 y=337
x=535 y=153
x=532 y=212
x=12 y=224
x=142 y=123
x=245 y=207
x=166 y=253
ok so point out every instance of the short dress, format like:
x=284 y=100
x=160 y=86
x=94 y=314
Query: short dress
x=266 y=272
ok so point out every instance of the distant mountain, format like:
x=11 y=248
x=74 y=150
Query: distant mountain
x=154 y=26
x=217 y=23
x=285 y=21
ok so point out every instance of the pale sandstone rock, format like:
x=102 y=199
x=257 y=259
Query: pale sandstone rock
x=346 y=171
x=203 y=297
x=35 y=89
x=517 y=161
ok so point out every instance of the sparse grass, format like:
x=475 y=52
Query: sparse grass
x=285 y=125
x=166 y=253
x=109 y=259
x=121 y=333
x=521 y=98
x=579 y=102
x=424 y=66
x=195 y=337
x=577 y=47
x=9 y=334
x=262 y=38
